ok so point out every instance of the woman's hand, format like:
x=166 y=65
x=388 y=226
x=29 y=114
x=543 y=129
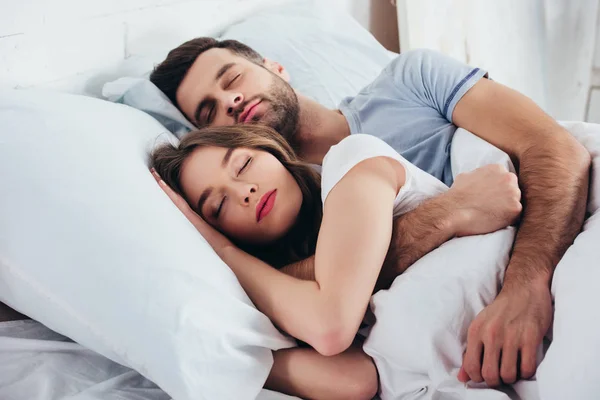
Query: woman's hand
x=215 y=238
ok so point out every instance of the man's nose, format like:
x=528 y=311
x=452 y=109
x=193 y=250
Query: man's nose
x=233 y=102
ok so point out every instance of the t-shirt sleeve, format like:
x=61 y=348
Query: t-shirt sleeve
x=349 y=152
x=433 y=79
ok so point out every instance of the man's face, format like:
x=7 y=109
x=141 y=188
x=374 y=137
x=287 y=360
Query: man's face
x=222 y=88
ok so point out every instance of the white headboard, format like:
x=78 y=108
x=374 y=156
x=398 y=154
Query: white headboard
x=77 y=45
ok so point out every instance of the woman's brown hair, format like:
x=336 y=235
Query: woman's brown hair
x=300 y=242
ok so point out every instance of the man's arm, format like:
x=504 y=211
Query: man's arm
x=414 y=235
x=553 y=171
x=481 y=201
x=304 y=269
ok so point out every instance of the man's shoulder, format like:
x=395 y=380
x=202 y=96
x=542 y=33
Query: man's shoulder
x=402 y=69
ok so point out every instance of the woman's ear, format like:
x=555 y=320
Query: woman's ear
x=276 y=68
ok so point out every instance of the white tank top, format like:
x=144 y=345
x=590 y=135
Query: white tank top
x=355 y=148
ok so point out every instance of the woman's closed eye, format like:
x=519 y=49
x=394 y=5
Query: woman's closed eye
x=245 y=166
x=219 y=208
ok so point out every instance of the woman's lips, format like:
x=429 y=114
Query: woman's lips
x=265 y=205
x=248 y=114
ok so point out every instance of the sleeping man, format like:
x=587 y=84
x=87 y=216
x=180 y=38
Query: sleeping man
x=416 y=105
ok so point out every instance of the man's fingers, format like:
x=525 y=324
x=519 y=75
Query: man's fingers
x=508 y=363
x=462 y=375
x=472 y=361
x=528 y=364
x=490 y=371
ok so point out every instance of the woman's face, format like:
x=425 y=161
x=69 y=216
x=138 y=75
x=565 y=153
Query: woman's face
x=246 y=194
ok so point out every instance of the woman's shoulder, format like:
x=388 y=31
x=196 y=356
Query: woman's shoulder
x=358 y=143
x=355 y=148
x=349 y=152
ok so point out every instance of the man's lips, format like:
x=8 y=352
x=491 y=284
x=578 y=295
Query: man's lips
x=265 y=205
x=249 y=111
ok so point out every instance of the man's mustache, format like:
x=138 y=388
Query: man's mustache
x=238 y=111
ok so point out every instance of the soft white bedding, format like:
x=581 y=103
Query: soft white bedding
x=422 y=321
x=417 y=357
x=39 y=364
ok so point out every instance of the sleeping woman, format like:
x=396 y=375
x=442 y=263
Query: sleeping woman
x=261 y=208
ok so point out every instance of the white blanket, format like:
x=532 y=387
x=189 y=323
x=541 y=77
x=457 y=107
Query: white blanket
x=422 y=321
x=38 y=364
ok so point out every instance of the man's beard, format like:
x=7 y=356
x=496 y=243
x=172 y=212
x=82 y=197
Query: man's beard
x=283 y=112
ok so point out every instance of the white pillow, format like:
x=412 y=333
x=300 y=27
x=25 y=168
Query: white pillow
x=142 y=94
x=328 y=54
x=91 y=247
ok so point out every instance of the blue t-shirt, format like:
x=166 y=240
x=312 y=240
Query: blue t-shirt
x=410 y=107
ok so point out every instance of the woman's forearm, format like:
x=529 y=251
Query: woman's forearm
x=295 y=305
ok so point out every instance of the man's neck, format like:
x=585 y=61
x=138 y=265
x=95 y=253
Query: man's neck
x=319 y=128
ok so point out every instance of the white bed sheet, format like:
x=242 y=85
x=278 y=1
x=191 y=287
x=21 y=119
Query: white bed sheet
x=39 y=364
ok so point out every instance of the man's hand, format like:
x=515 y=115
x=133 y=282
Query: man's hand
x=502 y=341
x=486 y=200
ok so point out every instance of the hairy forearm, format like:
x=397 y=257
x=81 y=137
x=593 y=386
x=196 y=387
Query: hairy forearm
x=304 y=269
x=417 y=233
x=554 y=176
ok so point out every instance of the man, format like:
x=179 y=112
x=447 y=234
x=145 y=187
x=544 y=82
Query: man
x=415 y=105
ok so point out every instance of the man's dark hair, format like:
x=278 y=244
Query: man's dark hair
x=167 y=75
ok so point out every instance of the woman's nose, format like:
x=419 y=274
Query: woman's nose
x=248 y=194
x=233 y=104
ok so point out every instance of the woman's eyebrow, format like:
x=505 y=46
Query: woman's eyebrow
x=202 y=200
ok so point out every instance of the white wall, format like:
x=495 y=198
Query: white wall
x=543 y=48
x=46 y=43
x=378 y=16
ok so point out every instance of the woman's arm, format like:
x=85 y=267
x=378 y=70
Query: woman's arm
x=327 y=312
x=307 y=374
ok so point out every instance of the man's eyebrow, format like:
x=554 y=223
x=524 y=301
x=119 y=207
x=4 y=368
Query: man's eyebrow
x=202 y=200
x=222 y=70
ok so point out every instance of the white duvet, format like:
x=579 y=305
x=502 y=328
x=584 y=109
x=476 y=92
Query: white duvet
x=422 y=320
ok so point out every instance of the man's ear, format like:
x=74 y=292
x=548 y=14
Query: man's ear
x=276 y=68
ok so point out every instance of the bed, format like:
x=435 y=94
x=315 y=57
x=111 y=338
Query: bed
x=79 y=52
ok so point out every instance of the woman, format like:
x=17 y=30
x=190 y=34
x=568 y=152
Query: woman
x=258 y=205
